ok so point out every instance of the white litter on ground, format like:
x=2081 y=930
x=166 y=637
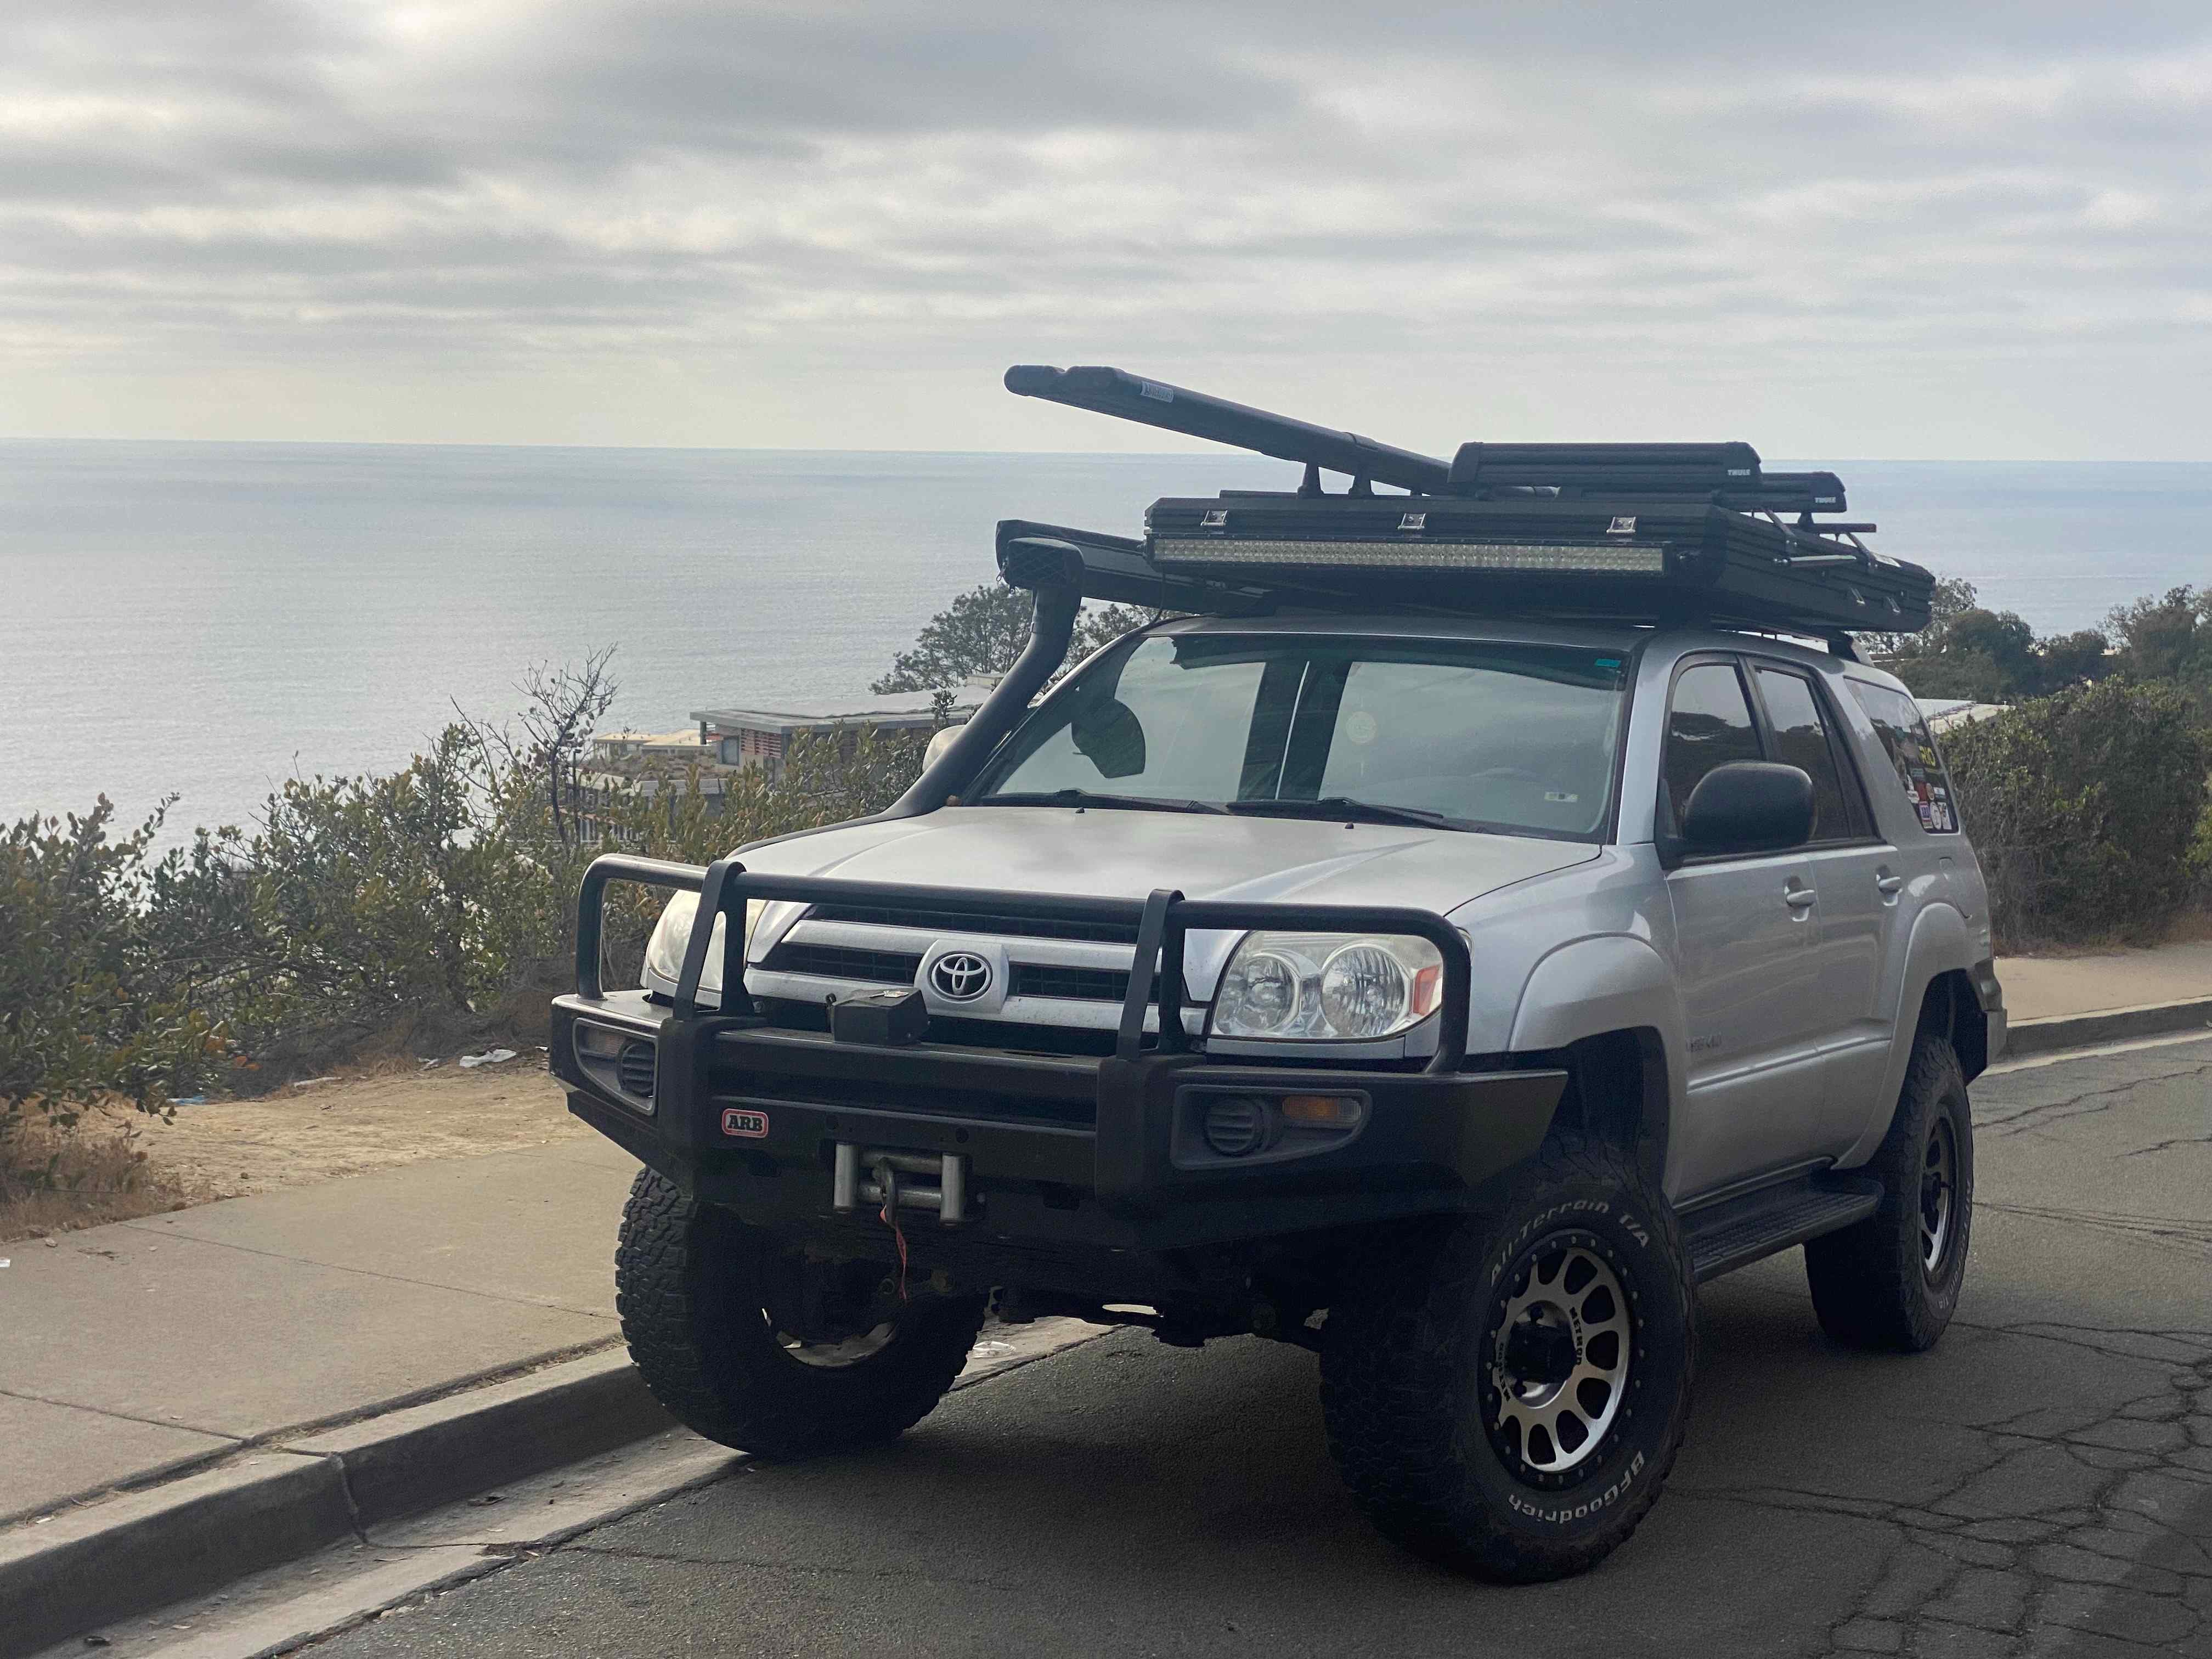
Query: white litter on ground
x=309 y=1082
x=489 y=1057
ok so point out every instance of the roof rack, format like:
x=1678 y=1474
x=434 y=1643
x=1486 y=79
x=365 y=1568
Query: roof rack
x=1647 y=533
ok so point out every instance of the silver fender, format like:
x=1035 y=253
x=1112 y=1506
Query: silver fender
x=1940 y=944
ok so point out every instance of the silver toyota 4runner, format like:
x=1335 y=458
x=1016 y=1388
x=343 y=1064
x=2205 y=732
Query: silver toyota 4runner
x=1467 y=926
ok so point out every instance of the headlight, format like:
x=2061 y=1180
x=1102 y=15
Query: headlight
x=1324 y=987
x=671 y=937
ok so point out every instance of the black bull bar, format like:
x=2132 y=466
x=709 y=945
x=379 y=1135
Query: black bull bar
x=1431 y=1136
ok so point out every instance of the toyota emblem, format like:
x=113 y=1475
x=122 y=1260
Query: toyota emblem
x=960 y=976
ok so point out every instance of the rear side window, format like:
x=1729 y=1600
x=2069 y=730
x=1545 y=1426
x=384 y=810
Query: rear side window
x=1911 y=750
x=1708 y=725
x=1800 y=739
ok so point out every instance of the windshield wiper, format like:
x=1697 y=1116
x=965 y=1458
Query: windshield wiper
x=1343 y=806
x=1085 y=798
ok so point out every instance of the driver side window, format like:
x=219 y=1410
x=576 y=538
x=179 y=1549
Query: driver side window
x=1708 y=724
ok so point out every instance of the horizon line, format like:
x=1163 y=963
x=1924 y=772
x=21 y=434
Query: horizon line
x=7 y=439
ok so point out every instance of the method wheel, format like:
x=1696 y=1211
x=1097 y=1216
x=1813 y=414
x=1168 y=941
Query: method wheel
x=1893 y=1280
x=1508 y=1398
x=758 y=1349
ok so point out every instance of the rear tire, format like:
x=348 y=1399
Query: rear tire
x=1893 y=1280
x=694 y=1289
x=1508 y=1397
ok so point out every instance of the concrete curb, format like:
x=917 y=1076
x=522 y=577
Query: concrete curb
x=2054 y=1031
x=111 y=1560
x=140 y=1551
x=414 y=1460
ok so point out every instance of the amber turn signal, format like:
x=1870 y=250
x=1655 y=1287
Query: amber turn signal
x=1321 y=1111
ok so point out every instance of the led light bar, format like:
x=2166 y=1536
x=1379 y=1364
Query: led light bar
x=1585 y=558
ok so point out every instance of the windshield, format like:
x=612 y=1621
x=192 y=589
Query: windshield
x=1473 y=734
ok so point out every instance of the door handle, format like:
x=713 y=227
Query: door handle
x=1798 y=897
x=1889 y=883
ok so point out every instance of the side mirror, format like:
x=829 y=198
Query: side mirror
x=1748 y=806
x=940 y=741
x=1111 y=737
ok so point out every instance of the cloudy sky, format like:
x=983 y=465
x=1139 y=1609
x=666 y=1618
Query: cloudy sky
x=1864 y=230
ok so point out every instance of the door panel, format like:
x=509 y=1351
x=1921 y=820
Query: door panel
x=1748 y=965
x=1857 y=919
x=1859 y=880
x=1746 y=958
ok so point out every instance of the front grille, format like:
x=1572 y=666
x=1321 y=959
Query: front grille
x=953 y=922
x=1038 y=979
x=635 y=1069
x=1007 y=1035
x=844 y=962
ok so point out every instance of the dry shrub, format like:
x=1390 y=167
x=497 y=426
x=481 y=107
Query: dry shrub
x=63 y=1170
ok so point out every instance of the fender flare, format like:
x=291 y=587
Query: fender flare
x=1598 y=985
x=1940 y=944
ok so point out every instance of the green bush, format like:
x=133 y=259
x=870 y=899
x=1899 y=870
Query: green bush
x=2199 y=865
x=88 y=997
x=430 y=906
x=2083 y=807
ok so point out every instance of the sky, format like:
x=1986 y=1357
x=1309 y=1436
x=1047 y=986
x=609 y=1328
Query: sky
x=1866 y=230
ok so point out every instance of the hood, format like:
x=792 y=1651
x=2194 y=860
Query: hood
x=1112 y=854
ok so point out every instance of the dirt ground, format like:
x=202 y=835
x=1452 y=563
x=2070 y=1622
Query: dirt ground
x=363 y=1119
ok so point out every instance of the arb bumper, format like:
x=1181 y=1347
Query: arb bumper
x=1155 y=1147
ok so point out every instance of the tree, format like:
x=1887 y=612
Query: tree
x=1106 y=624
x=562 y=707
x=1954 y=596
x=983 y=633
x=2168 y=638
x=2081 y=658
x=1988 y=656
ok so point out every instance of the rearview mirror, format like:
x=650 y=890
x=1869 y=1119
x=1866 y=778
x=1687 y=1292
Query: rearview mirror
x=1111 y=737
x=1748 y=806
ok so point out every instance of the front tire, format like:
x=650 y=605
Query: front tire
x=1508 y=1398
x=761 y=1350
x=1893 y=1280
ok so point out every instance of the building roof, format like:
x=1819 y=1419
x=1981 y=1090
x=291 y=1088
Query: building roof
x=687 y=738
x=1944 y=713
x=883 y=709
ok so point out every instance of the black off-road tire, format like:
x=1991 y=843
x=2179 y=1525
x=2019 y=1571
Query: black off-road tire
x=1409 y=1387
x=687 y=1285
x=1873 y=1286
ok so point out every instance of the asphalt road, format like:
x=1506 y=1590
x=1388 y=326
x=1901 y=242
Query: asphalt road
x=2040 y=1484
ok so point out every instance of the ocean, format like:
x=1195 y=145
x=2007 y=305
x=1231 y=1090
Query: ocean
x=207 y=619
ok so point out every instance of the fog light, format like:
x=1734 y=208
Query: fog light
x=1237 y=1125
x=1321 y=1111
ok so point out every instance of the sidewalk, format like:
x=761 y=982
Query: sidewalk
x=2039 y=988
x=148 y=1347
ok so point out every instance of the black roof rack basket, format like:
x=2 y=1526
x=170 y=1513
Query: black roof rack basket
x=1646 y=533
